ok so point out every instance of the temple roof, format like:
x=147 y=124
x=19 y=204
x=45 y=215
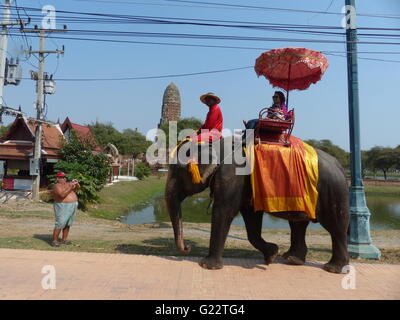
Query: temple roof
x=19 y=141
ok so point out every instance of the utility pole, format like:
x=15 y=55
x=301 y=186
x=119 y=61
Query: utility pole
x=359 y=242
x=4 y=42
x=3 y=45
x=40 y=99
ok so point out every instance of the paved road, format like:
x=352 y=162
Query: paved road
x=125 y=276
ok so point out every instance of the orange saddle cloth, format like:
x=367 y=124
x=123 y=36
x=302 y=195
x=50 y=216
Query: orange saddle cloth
x=284 y=178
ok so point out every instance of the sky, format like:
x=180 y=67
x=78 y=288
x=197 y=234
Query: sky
x=321 y=110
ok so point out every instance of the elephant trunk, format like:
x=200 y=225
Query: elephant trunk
x=175 y=214
x=178 y=233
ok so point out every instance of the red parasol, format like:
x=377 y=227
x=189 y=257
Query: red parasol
x=291 y=68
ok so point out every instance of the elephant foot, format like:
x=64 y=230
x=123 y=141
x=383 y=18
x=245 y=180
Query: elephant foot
x=270 y=257
x=211 y=264
x=294 y=258
x=334 y=268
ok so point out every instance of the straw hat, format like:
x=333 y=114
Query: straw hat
x=210 y=94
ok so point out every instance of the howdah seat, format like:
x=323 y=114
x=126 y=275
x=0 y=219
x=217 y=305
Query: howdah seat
x=273 y=131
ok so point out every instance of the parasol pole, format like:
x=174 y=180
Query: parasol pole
x=287 y=92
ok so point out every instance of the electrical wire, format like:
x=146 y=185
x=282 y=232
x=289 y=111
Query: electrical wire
x=19 y=18
x=24 y=36
x=126 y=19
x=207 y=37
x=326 y=10
x=105 y=18
x=213 y=5
x=190 y=74
x=311 y=30
x=227 y=5
x=151 y=77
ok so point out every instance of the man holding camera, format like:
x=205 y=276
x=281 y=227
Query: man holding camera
x=65 y=207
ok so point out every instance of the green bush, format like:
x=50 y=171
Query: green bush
x=141 y=170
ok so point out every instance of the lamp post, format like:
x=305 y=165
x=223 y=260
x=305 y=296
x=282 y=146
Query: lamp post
x=359 y=241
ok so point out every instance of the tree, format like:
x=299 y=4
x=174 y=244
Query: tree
x=380 y=158
x=396 y=156
x=141 y=170
x=129 y=142
x=326 y=145
x=133 y=142
x=4 y=130
x=364 y=162
x=105 y=133
x=89 y=168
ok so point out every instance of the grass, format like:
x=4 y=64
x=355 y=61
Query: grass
x=118 y=199
x=166 y=247
x=382 y=191
x=379 y=174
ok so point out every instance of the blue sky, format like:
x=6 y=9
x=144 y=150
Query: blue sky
x=321 y=111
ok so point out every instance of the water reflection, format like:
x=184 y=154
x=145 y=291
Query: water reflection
x=385 y=213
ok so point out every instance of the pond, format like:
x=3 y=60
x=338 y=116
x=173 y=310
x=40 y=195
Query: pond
x=385 y=213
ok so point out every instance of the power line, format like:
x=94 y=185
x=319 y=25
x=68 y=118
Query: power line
x=270 y=27
x=154 y=77
x=326 y=10
x=141 y=19
x=193 y=73
x=208 y=46
x=214 y=5
x=102 y=17
x=207 y=37
x=211 y=23
x=227 y=5
x=285 y=28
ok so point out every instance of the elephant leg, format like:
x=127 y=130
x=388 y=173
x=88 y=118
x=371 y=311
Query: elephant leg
x=340 y=255
x=253 y=222
x=298 y=248
x=222 y=217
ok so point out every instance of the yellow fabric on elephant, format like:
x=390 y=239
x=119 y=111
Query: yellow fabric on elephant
x=284 y=178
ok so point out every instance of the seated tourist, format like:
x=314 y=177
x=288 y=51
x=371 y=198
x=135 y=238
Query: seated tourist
x=278 y=110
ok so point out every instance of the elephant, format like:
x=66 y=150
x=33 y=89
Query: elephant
x=232 y=194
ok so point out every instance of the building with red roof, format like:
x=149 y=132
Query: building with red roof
x=17 y=148
x=83 y=132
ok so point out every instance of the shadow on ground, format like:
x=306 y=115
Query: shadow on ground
x=47 y=238
x=165 y=247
